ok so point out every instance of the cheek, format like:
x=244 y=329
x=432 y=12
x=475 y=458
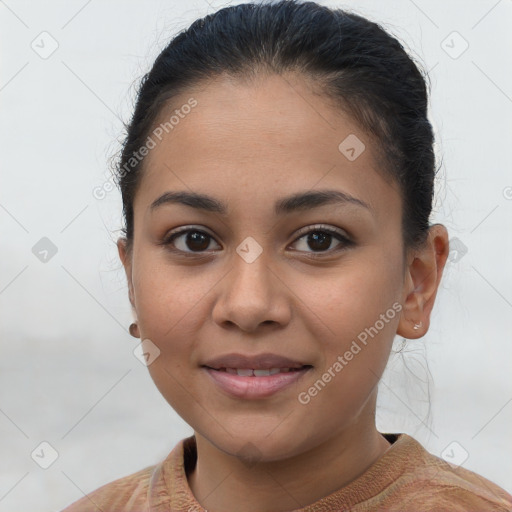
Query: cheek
x=160 y=292
x=171 y=301
x=354 y=295
x=359 y=311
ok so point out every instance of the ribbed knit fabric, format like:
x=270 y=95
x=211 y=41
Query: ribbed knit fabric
x=405 y=478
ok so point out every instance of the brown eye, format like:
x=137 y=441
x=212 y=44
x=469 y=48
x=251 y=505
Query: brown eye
x=189 y=241
x=319 y=240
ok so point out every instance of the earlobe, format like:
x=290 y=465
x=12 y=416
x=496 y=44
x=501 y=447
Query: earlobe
x=423 y=276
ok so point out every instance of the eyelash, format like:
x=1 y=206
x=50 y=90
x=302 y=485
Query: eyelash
x=318 y=228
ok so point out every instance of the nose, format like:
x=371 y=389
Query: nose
x=252 y=295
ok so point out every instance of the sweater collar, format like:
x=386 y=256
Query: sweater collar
x=169 y=488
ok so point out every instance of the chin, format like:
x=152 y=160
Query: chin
x=258 y=446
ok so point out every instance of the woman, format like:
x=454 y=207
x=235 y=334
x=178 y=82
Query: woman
x=277 y=180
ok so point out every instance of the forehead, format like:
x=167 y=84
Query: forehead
x=275 y=133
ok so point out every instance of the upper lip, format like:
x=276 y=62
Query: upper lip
x=256 y=362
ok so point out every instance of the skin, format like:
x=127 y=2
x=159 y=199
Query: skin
x=248 y=145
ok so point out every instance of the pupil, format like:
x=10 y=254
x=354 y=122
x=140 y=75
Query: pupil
x=324 y=239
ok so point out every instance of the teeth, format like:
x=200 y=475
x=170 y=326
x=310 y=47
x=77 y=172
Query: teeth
x=249 y=372
x=261 y=373
x=244 y=372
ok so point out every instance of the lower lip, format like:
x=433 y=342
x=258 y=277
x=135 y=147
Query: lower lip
x=254 y=387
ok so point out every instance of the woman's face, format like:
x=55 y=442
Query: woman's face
x=251 y=281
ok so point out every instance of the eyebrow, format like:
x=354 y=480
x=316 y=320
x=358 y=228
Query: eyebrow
x=297 y=202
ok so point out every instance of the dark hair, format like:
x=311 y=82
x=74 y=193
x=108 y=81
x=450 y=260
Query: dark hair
x=354 y=61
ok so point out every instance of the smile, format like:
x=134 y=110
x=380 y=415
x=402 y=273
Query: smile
x=249 y=383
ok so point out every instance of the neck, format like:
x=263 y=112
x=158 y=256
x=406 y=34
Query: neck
x=222 y=482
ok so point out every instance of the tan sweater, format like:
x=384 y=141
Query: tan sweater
x=405 y=478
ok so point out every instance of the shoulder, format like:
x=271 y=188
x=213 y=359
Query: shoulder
x=126 y=493
x=431 y=484
x=150 y=489
x=457 y=491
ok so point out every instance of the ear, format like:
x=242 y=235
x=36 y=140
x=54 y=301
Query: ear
x=126 y=259
x=423 y=274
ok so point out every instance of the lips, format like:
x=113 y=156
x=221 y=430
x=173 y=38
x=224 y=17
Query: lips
x=254 y=377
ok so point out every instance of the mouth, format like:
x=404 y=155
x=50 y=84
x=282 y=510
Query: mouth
x=259 y=372
x=236 y=362
x=254 y=376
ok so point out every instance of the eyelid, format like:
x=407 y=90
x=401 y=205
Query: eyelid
x=321 y=227
x=184 y=229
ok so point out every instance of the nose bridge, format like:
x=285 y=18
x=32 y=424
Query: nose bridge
x=250 y=294
x=252 y=277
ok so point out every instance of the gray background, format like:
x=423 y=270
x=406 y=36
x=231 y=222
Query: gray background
x=68 y=376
